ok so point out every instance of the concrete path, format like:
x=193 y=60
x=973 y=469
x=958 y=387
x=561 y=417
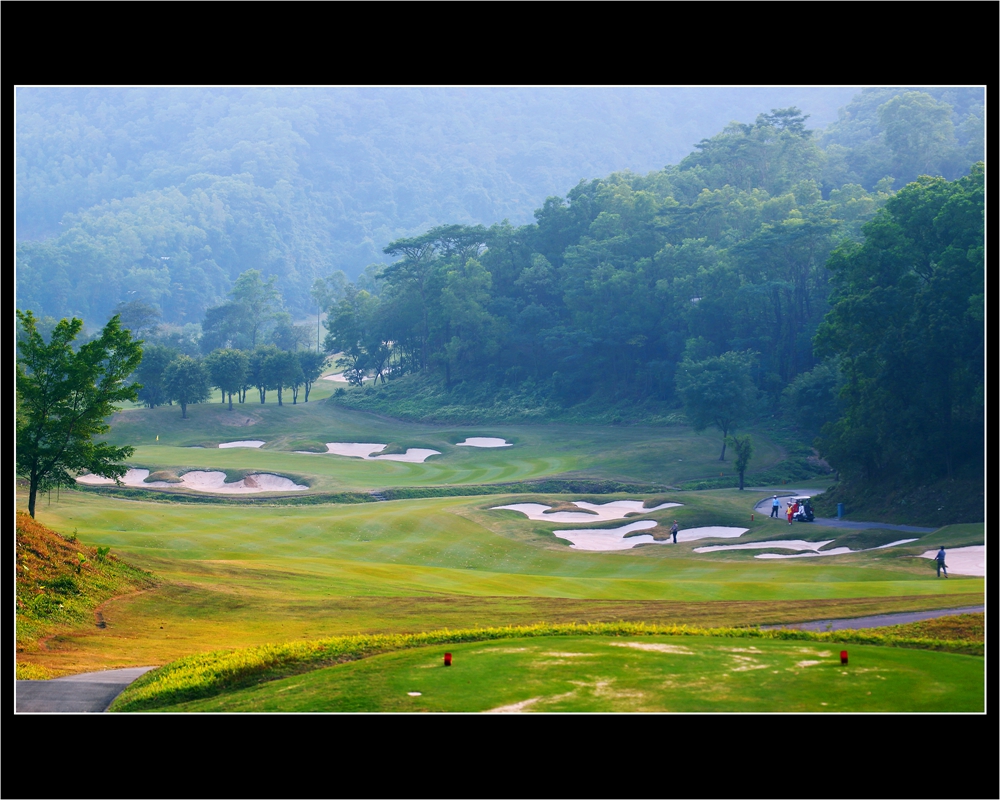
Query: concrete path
x=87 y=692
x=876 y=621
x=764 y=508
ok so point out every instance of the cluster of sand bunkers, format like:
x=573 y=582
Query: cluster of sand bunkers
x=961 y=561
x=215 y=482
x=202 y=481
x=613 y=538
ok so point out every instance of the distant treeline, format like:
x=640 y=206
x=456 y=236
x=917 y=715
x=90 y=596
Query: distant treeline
x=167 y=195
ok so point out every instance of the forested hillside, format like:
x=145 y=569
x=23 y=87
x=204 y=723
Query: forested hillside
x=170 y=194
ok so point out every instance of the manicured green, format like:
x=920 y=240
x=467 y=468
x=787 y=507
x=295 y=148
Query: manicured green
x=569 y=668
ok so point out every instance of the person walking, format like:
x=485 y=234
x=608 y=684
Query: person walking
x=789 y=512
x=673 y=531
x=940 y=563
x=775 y=505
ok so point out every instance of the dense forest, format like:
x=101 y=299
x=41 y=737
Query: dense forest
x=830 y=278
x=169 y=194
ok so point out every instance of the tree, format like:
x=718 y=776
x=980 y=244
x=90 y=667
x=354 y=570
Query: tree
x=259 y=299
x=907 y=326
x=228 y=370
x=187 y=382
x=312 y=366
x=259 y=375
x=743 y=447
x=155 y=359
x=718 y=391
x=141 y=319
x=63 y=399
x=282 y=371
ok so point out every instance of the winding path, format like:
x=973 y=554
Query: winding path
x=877 y=621
x=86 y=692
x=764 y=507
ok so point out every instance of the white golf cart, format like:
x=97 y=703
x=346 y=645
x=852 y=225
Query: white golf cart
x=805 y=512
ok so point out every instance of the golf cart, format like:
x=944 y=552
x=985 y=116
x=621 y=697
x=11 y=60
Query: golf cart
x=805 y=512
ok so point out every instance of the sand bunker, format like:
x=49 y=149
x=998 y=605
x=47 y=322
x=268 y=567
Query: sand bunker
x=484 y=441
x=244 y=443
x=341 y=378
x=963 y=560
x=364 y=450
x=614 y=538
x=836 y=551
x=616 y=509
x=203 y=481
x=711 y=532
x=609 y=538
x=787 y=544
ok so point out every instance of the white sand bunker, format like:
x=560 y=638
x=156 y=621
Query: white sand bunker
x=617 y=509
x=814 y=548
x=710 y=532
x=243 y=443
x=204 y=481
x=484 y=441
x=614 y=538
x=609 y=538
x=963 y=560
x=340 y=377
x=134 y=477
x=364 y=450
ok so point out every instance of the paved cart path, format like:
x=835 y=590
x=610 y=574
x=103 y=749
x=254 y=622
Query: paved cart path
x=876 y=621
x=88 y=691
x=764 y=508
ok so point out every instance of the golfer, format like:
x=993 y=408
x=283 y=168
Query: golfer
x=940 y=563
x=775 y=505
x=673 y=531
x=790 y=512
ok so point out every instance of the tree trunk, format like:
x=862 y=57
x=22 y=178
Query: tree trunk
x=279 y=395
x=184 y=410
x=741 y=480
x=32 y=494
x=724 y=434
x=230 y=401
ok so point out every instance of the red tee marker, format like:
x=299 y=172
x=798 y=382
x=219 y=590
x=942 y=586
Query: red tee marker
x=447 y=659
x=843 y=656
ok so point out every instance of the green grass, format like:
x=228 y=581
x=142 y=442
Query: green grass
x=250 y=574
x=572 y=668
x=650 y=455
x=249 y=571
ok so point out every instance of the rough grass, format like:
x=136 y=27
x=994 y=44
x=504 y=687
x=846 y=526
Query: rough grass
x=956 y=628
x=59 y=585
x=213 y=674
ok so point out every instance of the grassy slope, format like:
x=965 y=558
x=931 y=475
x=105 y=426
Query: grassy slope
x=61 y=583
x=240 y=575
x=237 y=576
x=658 y=455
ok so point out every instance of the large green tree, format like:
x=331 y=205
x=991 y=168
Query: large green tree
x=187 y=381
x=718 y=391
x=63 y=400
x=907 y=324
x=155 y=359
x=228 y=370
